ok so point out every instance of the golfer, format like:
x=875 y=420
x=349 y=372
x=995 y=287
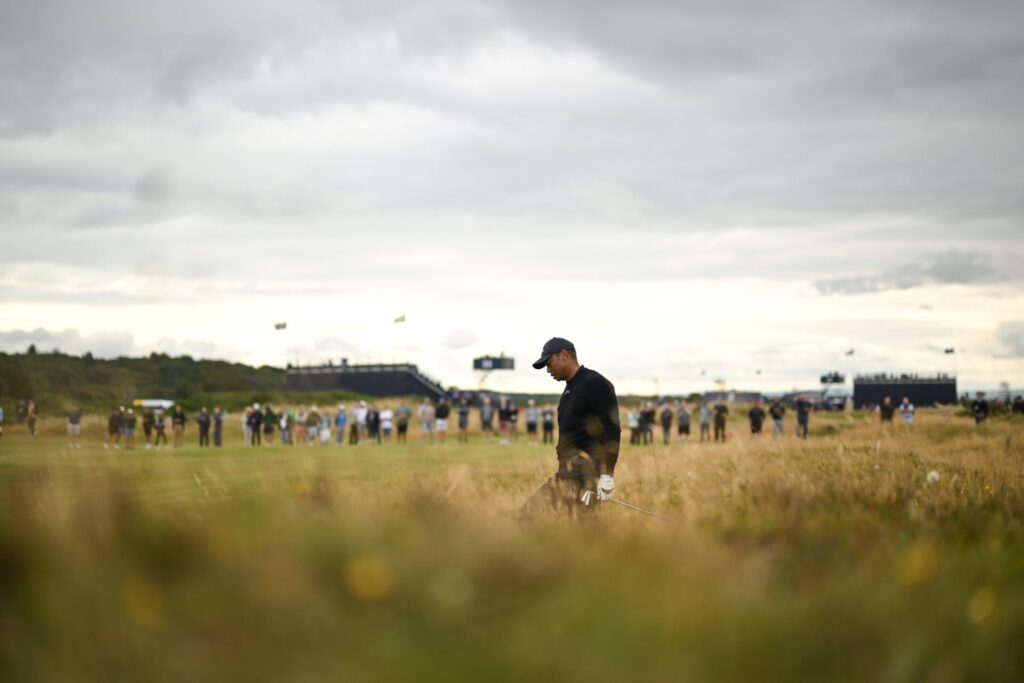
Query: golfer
x=588 y=435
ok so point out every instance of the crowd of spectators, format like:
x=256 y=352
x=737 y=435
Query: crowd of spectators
x=379 y=423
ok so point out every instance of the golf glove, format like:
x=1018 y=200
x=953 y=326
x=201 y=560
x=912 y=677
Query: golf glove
x=605 y=487
x=586 y=497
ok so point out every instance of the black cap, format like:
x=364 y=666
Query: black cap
x=551 y=347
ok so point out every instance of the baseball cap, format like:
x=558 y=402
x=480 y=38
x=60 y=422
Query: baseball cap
x=551 y=347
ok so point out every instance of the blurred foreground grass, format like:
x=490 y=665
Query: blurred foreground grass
x=833 y=558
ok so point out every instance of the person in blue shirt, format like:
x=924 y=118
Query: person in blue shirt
x=340 y=420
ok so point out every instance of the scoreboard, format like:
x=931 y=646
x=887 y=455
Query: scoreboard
x=494 y=363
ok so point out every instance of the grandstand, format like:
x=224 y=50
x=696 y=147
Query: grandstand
x=923 y=390
x=377 y=379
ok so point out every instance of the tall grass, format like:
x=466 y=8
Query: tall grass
x=831 y=558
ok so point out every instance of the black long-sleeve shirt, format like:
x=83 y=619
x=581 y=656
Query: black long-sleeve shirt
x=588 y=420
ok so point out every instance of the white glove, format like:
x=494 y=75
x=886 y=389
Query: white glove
x=605 y=487
x=586 y=497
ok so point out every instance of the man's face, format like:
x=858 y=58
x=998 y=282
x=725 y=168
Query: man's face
x=558 y=366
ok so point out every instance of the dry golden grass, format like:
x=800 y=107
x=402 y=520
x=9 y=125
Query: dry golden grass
x=831 y=558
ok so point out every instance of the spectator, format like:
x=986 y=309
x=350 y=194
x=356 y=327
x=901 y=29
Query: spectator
x=756 y=416
x=513 y=421
x=633 y=422
x=373 y=424
x=203 y=421
x=218 y=427
x=256 y=425
x=426 y=415
x=886 y=411
x=290 y=422
x=361 y=413
x=547 y=420
x=299 y=427
x=353 y=427
x=402 y=416
x=74 y=426
x=441 y=416
x=504 y=417
x=705 y=422
x=980 y=408
x=312 y=430
x=907 y=411
x=463 y=421
x=247 y=426
x=30 y=418
x=114 y=421
x=325 y=428
x=282 y=427
x=21 y=411
x=129 y=430
x=340 y=420
x=178 y=420
x=1018 y=405
x=1 y=420
x=486 y=416
x=532 y=416
x=160 y=428
x=777 y=411
x=647 y=419
x=147 y=426
x=683 y=421
x=666 y=422
x=387 y=418
x=269 y=420
x=803 y=414
x=721 y=412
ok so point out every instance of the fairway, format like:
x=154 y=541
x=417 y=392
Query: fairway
x=832 y=558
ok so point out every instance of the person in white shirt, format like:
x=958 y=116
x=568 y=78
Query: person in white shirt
x=361 y=413
x=426 y=415
x=907 y=411
x=325 y=429
x=387 y=418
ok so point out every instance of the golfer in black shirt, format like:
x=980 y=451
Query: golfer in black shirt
x=588 y=435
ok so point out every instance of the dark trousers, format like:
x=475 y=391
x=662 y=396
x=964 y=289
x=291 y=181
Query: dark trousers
x=353 y=434
x=719 y=431
x=549 y=434
x=204 y=436
x=801 y=426
x=160 y=434
x=646 y=435
x=755 y=427
x=563 y=492
x=666 y=431
x=256 y=438
x=217 y=431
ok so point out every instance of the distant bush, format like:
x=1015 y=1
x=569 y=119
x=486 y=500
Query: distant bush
x=57 y=380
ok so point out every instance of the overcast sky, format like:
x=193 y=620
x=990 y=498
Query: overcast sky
x=686 y=192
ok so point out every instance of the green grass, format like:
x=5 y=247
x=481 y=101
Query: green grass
x=772 y=560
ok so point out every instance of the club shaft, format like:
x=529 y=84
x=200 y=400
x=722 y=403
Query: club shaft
x=634 y=507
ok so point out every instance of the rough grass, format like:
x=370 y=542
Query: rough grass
x=831 y=558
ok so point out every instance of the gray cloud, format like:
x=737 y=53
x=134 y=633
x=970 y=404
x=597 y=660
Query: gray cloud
x=459 y=339
x=263 y=151
x=101 y=344
x=1011 y=335
x=948 y=267
x=110 y=344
